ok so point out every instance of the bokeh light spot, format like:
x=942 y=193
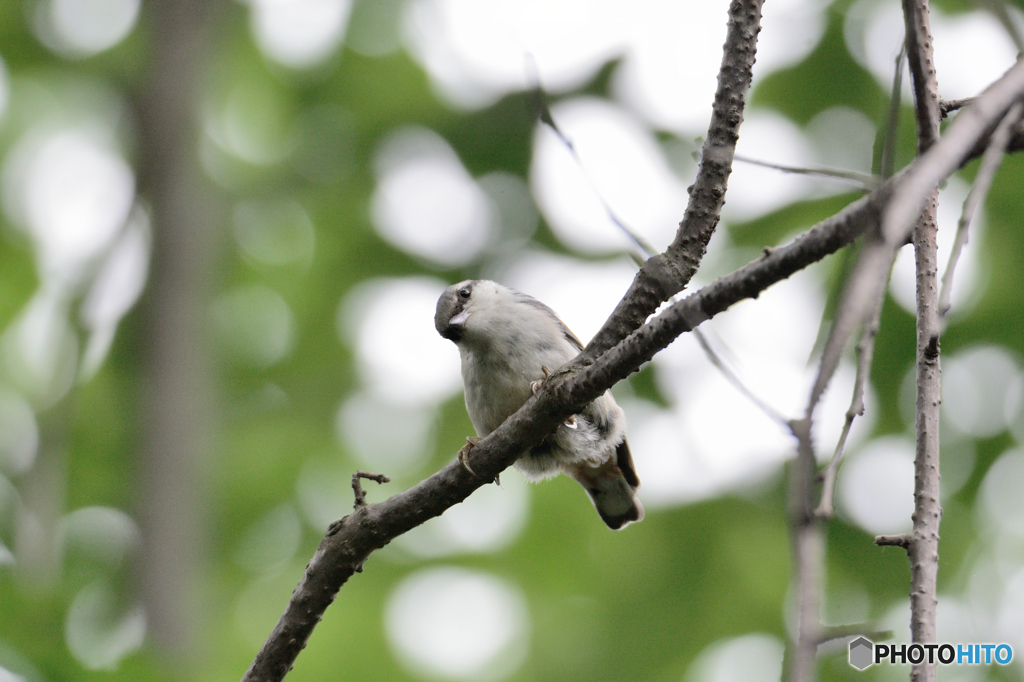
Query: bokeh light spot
x=876 y=486
x=621 y=164
x=254 y=325
x=426 y=203
x=82 y=28
x=1002 y=504
x=19 y=433
x=271 y=541
x=274 y=232
x=457 y=624
x=489 y=520
x=976 y=390
x=72 y=193
x=399 y=353
x=299 y=33
x=115 y=289
x=100 y=630
x=106 y=534
x=750 y=658
x=385 y=436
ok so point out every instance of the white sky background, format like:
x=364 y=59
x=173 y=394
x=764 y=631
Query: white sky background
x=67 y=185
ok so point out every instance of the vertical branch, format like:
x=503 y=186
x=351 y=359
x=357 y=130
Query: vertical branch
x=922 y=544
x=176 y=404
x=808 y=546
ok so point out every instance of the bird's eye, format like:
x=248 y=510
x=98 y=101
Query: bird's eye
x=464 y=292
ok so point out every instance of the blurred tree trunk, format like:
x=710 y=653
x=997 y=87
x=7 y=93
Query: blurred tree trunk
x=176 y=423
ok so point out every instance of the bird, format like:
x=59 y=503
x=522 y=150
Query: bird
x=509 y=342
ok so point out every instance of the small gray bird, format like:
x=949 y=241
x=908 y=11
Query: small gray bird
x=508 y=342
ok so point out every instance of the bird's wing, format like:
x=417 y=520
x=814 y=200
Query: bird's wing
x=566 y=332
x=624 y=459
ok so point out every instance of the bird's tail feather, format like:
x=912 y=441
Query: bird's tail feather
x=613 y=496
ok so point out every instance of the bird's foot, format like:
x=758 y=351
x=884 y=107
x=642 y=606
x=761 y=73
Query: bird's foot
x=570 y=422
x=536 y=385
x=463 y=455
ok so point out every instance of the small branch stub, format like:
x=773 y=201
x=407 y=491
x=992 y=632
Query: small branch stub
x=901 y=540
x=357 y=488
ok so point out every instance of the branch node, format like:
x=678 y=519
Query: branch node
x=357 y=488
x=665 y=274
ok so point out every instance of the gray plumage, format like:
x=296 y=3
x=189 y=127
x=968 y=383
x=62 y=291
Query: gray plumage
x=505 y=339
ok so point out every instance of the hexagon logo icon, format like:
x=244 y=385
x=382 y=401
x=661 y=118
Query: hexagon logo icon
x=861 y=653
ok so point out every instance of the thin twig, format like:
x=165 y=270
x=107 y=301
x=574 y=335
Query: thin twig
x=548 y=119
x=865 y=358
x=887 y=163
x=948 y=106
x=864 y=181
x=990 y=162
x=833 y=632
x=737 y=383
x=865 y=346
x=646 y=250
x=808 y=547
x=357 y=488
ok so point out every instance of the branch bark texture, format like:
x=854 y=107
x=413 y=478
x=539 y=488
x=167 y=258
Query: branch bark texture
x=923 y=545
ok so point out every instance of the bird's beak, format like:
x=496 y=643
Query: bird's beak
x=460 y=319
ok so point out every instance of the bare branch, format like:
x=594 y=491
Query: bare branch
x=887 y=163
x=666 y=274
x=834 y=632
x=901 y=540
x=357 y=488
x=990 y=162
x=808 y=546
x=970 y=127
x=923 y=541
x=737 y=383
x=351 y=540
x=865 y=358
x=948 y=106
x=864 y=181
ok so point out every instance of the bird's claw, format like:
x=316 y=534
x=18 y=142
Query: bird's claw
x=463 y=458
x=570 y=422
x=535 y=385
x=463 y=455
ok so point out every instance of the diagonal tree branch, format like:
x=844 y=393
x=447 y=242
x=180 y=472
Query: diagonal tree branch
x=990 y=162
x=351 y=540
x=665 y=275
